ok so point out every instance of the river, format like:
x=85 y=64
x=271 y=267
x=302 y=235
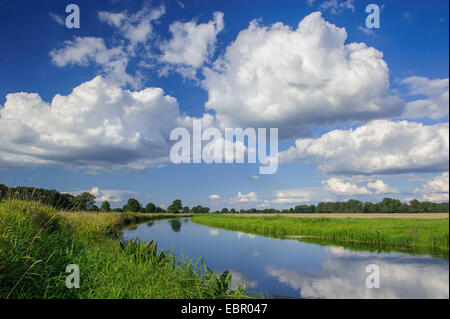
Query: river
x=289 y=268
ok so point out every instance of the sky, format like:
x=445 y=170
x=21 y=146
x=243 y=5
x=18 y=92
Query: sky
x=361 y=113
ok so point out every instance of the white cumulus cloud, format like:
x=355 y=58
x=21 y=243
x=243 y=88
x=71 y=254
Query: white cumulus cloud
x=191 y=44
x=112 y=195
x=288 y=78
x=98 y=126
x=243 y=198
x=380 y=187
x=378 y=147
x=435 y=103
x=339 y=186
x=82 y=51
x=436 y=189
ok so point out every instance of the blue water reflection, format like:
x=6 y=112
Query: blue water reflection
x=288 y=268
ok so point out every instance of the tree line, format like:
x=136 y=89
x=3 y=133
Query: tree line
x=63 y=201
x=86 y=202
x=387 y=205
x=133 y=205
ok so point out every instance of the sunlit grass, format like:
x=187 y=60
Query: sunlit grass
x=37 y=243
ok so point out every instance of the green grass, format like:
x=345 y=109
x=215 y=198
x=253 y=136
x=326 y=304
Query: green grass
x=432 y=234
x=37 y=243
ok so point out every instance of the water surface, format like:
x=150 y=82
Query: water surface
x=289 y=268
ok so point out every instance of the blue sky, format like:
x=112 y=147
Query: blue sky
x=390 y=120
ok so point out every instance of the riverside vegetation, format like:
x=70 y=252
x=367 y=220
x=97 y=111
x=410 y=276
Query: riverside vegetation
x=431 y=234
x=37 y=243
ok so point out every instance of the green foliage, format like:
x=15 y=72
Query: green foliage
x=41 y=195
x=150 y=208
x=175 y=207
x=139 y=249
x=84 y=202
x=304 y=209
x=219 y=284
x=105 y=207
x=352 y=206
x=200 y=210
x=133 y=205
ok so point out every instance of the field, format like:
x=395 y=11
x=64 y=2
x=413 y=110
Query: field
x=37 y=243
x=404 y=232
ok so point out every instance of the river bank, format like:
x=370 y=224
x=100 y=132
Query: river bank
x=430 y=234
x=37 y=244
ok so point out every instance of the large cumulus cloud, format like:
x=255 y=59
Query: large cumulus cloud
x=97 y=126
x=378 y=147
x=279 y=77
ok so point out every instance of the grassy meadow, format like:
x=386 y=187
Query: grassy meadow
x=432 y=234
x=37 y=243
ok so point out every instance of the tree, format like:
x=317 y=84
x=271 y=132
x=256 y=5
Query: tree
x=105 y=207
x=196 y=209
x=186 y=210
x=205 y=210
x=150 y=208
x=200 y=210
x=414 y=206
x=390 y=205
x=425 y=207
x=132 y=205
x=354 y=206
x=369 y=208
x=224 y=211
x=175 y=207
x=84 y=201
